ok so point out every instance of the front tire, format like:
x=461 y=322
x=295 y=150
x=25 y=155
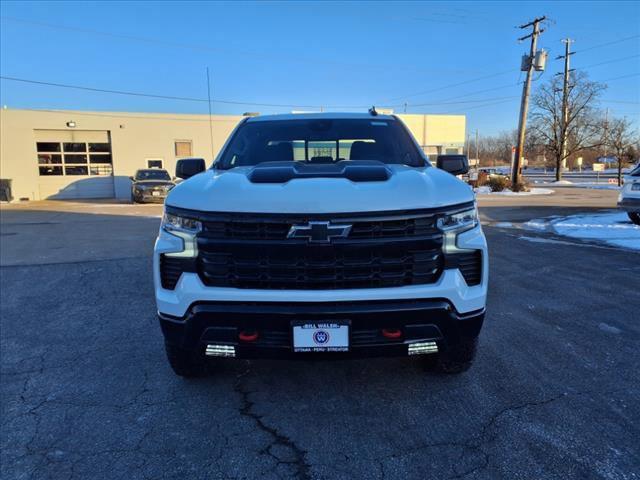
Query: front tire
x=185 y=363
x=634 y=217
x=455 y=359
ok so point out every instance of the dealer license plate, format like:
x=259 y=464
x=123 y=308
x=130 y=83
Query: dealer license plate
x=155 y=193
x=321 y=337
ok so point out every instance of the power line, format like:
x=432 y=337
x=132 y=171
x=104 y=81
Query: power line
x=171 y=97
x=613 y=42
x=287 y=57
x=444 y=102
x=232 y=102
x=444 y=87
x=610 y=61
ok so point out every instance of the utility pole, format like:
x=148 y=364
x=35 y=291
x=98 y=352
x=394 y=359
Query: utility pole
x=468 y=146
x=565 y=105
x=606 y=133
x=477 y=150
x=210 y=107
x=526 y=89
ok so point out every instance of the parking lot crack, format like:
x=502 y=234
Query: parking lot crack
x=303 y=469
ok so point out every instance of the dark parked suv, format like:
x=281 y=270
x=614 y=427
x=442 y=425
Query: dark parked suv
x=151 y=185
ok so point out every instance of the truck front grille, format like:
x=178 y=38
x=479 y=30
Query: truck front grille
x=380 y=250
x=317 y=268
x=385 y=227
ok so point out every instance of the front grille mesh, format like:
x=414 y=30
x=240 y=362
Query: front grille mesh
x=361 y=229
x=317 y=268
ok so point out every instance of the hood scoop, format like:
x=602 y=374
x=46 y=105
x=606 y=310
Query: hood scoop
x=354 y=170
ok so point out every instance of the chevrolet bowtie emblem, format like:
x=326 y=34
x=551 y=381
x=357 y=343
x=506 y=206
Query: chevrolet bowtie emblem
x=319 y=232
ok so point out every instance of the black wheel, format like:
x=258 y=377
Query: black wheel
x=455 y=359
x=185 y=363
x=634 y=217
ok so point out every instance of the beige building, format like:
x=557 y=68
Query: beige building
x=47 y=154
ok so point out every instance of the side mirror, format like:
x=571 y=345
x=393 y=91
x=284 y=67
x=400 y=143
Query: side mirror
x=454 y=164
x=188 y=167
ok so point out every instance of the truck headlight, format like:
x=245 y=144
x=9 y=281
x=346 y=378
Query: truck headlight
x=184 y=228
x=452 y=224
x=176 y=223
x=459 y=222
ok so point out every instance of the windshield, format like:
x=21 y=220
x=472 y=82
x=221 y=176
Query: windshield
x=321 y=141
x=635 y=172
x=152 y=175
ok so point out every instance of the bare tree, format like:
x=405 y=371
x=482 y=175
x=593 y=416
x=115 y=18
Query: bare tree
x=584 y=125
x=621 y=139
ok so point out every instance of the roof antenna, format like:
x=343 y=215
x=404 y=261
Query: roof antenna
x=373 y=112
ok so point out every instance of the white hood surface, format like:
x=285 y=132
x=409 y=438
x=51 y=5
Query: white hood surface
x=407 y=189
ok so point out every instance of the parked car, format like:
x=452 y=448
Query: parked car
x=150 y=185
x=495 y=172
x=321 y=235
x=629 y=198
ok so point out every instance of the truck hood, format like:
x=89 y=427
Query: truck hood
x=406 y=189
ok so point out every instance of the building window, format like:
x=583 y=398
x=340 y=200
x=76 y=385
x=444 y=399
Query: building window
x=76 y=170
x=50 y=170
x=154 y=163
x=183 y=148
x=48 y=147
x=74 y=156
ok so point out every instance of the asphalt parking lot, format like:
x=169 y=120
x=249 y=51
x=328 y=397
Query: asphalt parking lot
x=86 y=391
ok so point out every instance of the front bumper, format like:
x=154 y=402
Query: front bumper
x=629 y=204
x=220 y=323
x=147 y=196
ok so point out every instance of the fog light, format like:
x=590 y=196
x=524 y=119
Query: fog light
x=221 y=351
x=420 y=348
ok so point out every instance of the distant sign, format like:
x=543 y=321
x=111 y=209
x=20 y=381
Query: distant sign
x=598 y=167
x=607 y=159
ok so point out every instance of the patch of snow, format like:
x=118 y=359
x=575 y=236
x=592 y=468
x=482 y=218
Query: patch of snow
x=543 y=240
x=609 y=328
x=507 y=192
x=561 y=182
x=536 y=225
x=613 y=228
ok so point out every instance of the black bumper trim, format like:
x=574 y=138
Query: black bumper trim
x=630 y=204
x=419 y=320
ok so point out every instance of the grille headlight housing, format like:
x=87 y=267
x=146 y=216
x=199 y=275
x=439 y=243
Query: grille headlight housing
x=459 y=222
x=176 y=223
x=185 y=228
x=452 y=224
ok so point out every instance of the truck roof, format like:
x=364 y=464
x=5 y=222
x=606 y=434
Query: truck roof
x=318 y=116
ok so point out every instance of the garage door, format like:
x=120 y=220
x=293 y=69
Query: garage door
x=74 y=164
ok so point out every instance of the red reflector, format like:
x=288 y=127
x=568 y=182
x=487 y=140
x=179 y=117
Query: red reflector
x=248 y=336
x=391 y=332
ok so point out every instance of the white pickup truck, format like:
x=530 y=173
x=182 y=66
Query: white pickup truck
x=629 y=198
x=316 y=236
